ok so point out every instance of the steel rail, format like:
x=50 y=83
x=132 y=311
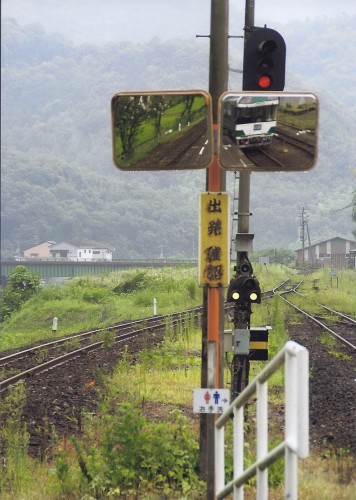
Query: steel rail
x=337 y=313
x=160 y=322
x=297 y=143
x=19 y=354
x=151 y=322
x=61 y=359
x=347 y=318
x=322 y=325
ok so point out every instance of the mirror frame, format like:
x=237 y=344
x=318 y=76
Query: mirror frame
x=135 y=166
x=249 y=165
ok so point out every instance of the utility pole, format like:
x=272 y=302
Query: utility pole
x=302 y=234
x=213 y=298
x=304 y=224
x=310 y=253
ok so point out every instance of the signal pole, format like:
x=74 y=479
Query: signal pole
x=240 y=364
x=213 y=298
x=264 y=69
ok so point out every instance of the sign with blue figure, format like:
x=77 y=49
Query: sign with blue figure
x=211 y=400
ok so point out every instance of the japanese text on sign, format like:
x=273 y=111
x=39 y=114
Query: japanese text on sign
x=211 y=400
x=214 y=238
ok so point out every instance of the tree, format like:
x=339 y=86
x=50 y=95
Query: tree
x=129 y=116
x=20 y=286
x=188 y=103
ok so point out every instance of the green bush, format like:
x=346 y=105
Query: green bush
x=21 y=285
x=192 y=288
x=136 y=453
x=96 y=295
x=14 y=440
x=131 y=283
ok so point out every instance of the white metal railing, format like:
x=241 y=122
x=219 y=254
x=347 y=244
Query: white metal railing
x=296 y=434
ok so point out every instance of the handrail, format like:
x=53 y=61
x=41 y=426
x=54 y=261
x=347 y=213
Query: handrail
x=296 y=439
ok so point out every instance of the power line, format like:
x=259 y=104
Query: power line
x=352 y=204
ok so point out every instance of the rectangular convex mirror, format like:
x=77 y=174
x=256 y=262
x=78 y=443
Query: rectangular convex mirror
x=165 y=130
x=265 y=132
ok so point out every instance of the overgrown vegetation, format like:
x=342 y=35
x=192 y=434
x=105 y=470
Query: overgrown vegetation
x=21 y=285
x=89 y=302
x=335 y=290
x=275 y=255
x=143 y=440
x=15 y=472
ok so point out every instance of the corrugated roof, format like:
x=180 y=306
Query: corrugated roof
x=319 y=242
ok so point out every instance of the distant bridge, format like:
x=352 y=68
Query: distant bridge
x=61 y=268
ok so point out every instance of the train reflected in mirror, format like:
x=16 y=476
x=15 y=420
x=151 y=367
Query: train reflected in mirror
x=162 y=130
x=268 y=131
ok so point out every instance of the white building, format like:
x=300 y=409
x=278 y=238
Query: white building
x=83 y=251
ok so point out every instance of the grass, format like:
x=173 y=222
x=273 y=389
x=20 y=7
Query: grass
x=90 y=302
x=338 y=293
x=161 y=380
x=272 y=275
x=97 y=301
x=176 y=361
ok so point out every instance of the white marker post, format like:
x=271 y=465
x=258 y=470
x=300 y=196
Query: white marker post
x=55 y=324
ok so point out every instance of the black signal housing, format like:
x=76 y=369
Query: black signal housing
x=244 y=290
x=264 y=61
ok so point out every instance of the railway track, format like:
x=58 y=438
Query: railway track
x=21 y=364
x=263 y=159
x=56 y=398
x=176 y=151
x=343 y=327
x=296 y=142
x=273 y=158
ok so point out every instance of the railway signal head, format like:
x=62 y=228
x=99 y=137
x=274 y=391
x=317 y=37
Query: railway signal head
x=252 y=290
x=244 y=291
x=264 y=61
x=235 y=290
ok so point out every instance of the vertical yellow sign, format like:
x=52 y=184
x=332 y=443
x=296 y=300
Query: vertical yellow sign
x=214 y=240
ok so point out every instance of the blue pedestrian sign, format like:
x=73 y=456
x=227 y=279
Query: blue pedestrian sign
x=211 y=400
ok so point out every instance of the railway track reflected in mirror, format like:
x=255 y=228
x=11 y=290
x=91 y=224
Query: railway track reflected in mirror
x=162 y=130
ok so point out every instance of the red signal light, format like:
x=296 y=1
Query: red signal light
x=264 y=60
x=264 y=82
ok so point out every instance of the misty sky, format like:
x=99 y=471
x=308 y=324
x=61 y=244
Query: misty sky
x=101 y=21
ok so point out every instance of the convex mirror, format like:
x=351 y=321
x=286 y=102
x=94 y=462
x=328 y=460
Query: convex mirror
x=266 y=132
x=166 y=130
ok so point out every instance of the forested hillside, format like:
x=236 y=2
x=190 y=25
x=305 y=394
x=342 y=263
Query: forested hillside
x=58 y=180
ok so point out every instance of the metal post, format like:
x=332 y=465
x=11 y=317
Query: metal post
x=291 y=423
x=238 y=440
x=241 y=363
x=262 y=437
